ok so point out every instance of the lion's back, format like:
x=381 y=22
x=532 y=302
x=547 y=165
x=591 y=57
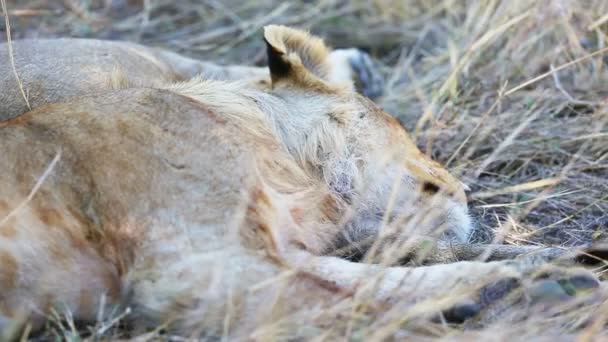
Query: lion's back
x=55 y=70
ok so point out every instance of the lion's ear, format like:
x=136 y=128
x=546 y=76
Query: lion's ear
x=296 y=58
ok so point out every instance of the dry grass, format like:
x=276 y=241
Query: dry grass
x=487 y=87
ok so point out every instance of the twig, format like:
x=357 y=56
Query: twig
x=482 y=120
x=558 y=84
x=102 y=330
x=145 y=20
x=598 y=22
x=508 y=141
x=35 y=189
x=33 y=12
x=517 y=188
x=563 y=66
x=10 y=53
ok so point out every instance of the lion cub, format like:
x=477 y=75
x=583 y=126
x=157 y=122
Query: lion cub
x=211 y=206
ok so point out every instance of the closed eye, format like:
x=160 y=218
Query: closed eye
x=430 y=188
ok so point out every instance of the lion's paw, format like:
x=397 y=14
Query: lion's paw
x=368 y=80
x=544 y=285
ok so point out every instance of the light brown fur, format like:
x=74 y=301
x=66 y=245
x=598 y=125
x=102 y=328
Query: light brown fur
x=90 y=66
x=211 y=205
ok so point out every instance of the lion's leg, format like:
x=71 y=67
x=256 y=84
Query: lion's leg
x=49 y=260
x=425 y=250
x=235 y=290
x=47 y=264
x=428 y=251
x=223 y=275
x=418 y=282
x=447 y=252
x=459 y=290
x=451 y=252
x=229 y=291
x=238 y=292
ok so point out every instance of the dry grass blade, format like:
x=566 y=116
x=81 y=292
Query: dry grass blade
x=34 y=190
x=474 y=48
x=554 y=70
x=520 y=203
x=10 y=52
x=517 y=188
x=598 y=22
x=32 y=12
x=507 y=142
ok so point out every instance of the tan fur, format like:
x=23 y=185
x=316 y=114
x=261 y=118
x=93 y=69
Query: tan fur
x=210 y=205
x=56 y=70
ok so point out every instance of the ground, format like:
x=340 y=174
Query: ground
x=511 y=95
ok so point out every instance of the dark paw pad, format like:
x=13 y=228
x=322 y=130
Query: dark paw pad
x=578 y=283
x=548 y=291
x=461 y=312
x=487 y=297
x=553 y=288
x=585 y=282
x=498 y=290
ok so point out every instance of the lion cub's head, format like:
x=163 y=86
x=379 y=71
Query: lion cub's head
x=363 y=154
